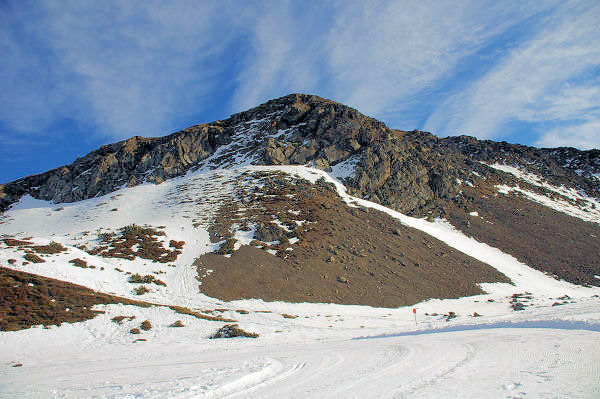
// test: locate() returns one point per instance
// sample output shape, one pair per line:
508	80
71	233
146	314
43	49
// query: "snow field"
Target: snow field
576	204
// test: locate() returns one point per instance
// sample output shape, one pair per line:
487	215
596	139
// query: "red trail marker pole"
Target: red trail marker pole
415	313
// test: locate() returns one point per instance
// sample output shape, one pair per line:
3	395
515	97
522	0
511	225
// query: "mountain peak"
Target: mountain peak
413	172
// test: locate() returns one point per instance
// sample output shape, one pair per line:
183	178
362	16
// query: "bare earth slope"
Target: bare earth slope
339	254
27	300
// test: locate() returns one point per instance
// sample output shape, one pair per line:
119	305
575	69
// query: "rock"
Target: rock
354	144
412	172
269	233
333	154
275	156
322	164
132	181
303	154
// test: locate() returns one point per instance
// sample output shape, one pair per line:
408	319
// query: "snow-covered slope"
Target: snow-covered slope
304	350
567	200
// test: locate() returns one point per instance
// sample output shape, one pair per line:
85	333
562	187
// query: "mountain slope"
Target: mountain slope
311	244
508	196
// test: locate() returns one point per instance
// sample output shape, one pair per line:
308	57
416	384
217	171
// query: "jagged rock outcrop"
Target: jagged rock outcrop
413	172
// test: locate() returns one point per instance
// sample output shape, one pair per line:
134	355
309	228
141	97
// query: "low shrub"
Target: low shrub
146	325
135	331
141	290
178	323
232	331
33	258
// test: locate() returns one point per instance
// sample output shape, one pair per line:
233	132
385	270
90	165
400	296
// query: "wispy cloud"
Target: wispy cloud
130	68
386	56
124	68
387	60
585	135
548	82
285	54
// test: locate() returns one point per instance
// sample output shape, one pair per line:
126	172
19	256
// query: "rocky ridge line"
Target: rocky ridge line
414	172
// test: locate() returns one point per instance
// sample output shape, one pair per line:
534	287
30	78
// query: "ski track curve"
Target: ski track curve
492	363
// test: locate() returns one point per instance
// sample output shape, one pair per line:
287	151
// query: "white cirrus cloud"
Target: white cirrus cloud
285	52
547	83
584	136
373	57
384	56
125	68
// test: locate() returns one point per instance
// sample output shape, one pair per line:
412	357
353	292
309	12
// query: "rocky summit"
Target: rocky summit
414	172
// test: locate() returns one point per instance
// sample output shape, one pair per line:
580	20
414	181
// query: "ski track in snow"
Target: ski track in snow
314	355
489	363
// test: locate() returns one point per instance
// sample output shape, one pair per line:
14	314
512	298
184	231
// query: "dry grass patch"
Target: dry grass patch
176	244
11	242
50	249
144	237
27	299
79	263
119	319
198	315
33	258
147	279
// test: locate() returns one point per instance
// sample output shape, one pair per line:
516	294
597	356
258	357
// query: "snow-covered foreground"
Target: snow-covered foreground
321	350
309	359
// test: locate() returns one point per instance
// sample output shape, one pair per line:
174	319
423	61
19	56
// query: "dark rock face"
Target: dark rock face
413	172
269	233
560	166
319	130
112	166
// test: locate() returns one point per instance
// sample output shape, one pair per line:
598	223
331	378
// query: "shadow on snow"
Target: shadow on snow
551	324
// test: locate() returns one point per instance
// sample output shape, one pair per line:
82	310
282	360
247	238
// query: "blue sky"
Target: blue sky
79	74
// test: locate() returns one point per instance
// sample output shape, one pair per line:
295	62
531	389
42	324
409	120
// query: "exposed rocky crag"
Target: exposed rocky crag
413	172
